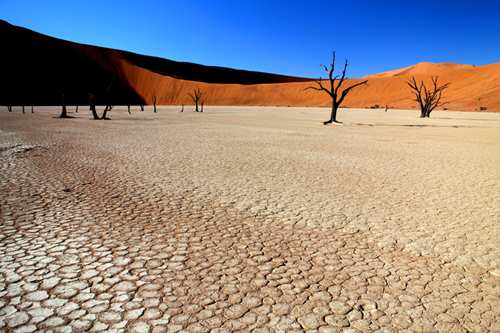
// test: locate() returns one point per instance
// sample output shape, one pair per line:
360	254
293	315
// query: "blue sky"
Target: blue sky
283	37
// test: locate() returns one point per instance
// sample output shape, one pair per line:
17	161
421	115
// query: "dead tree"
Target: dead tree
108	104
128	109
92	106
196	96
64	113
76	110
334	91
182	110
430	99
32	109
105	112
9	107
142	107
153	99
23	108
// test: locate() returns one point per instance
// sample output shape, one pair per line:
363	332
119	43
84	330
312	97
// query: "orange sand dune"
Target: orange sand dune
36	68
467	85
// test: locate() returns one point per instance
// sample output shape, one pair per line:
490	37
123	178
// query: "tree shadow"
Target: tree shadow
469	119
414	125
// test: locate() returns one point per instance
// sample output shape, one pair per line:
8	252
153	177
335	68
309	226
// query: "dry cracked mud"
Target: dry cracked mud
250	220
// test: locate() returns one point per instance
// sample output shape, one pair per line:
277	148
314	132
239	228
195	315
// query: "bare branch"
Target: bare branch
321	88
346	91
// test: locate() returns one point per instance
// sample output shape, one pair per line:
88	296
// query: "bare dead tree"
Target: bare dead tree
108	104
105	112
92	106
9	107
64	113
153	99
334	91
196	96
428	99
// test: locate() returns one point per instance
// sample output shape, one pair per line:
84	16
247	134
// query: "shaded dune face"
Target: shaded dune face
36	67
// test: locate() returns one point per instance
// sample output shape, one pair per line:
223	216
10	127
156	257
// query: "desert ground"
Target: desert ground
251	219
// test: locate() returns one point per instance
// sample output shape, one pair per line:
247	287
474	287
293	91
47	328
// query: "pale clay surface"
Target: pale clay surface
251	220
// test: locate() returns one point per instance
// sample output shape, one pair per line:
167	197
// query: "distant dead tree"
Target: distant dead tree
105	112
334	91
142	107
92	106
428	99
9	107
64	113
32	109
182	110
23	108
196	96
108	104
153	99
128	109
76	109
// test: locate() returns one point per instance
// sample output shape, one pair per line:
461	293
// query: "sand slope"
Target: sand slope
35	65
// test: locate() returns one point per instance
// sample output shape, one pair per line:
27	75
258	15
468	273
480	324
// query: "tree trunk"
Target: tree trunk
94	112
92	107
154	108
333	115
76	111
142	107
64	113
32	109
201	107
197	106
23	108
333	118
422	112
105	112
9	107
128	108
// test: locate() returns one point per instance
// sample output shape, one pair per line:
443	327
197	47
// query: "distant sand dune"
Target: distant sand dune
468	84
36	64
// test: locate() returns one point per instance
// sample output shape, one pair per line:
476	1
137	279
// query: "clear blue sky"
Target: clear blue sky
285	37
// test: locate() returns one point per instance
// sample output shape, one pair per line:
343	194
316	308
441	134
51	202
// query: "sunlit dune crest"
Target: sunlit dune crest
421	68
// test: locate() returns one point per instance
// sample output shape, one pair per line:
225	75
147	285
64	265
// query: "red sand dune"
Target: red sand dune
35	64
